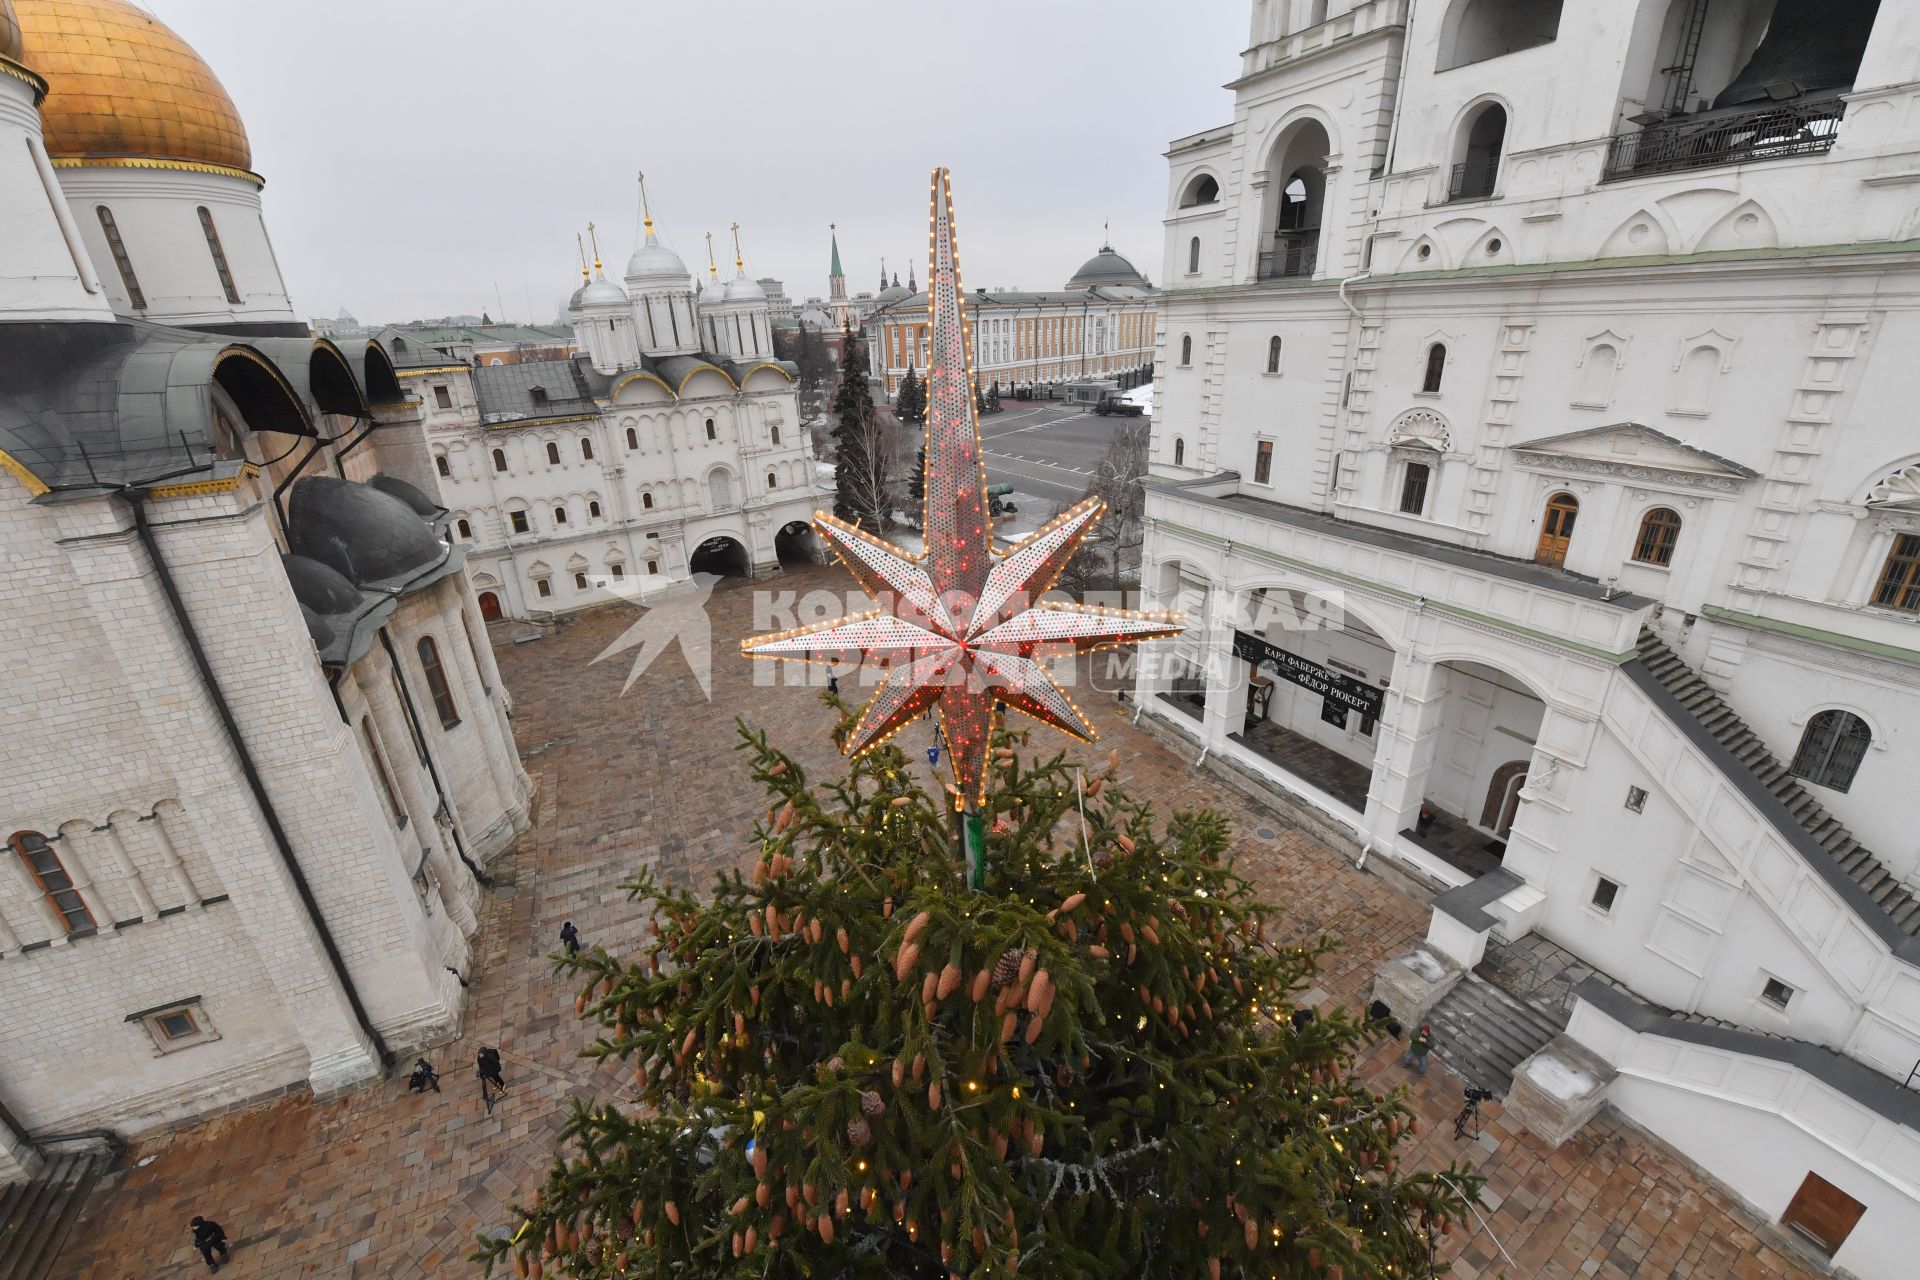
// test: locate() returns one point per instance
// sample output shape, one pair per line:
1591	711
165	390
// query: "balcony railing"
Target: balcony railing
1293	254
1706	140
1474	179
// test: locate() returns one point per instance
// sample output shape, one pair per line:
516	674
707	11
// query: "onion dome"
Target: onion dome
602	292
374	539
124	87
1106	268
743	288
340	618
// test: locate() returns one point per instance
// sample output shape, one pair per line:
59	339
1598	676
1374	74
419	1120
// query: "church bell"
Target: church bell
1812	47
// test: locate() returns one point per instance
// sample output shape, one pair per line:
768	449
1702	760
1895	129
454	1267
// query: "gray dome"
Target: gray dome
319	629
654	263
320	589
743	289
892	293
601	293
373	538
1106	268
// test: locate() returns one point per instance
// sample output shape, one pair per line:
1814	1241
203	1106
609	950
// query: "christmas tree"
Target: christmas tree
864	462
850	1065
910	407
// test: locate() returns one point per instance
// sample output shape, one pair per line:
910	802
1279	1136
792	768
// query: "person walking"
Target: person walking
424	1077
487	1064
570	938
209	1238
1418	1048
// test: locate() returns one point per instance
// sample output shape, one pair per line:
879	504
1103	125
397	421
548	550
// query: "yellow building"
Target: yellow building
1100	326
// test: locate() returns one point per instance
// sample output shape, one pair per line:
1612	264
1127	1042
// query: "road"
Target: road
1048	451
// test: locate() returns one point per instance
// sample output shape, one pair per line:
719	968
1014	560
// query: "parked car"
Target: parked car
1117	406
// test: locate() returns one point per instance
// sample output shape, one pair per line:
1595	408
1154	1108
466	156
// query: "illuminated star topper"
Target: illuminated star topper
959	625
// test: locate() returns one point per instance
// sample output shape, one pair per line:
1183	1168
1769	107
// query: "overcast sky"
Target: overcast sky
419	156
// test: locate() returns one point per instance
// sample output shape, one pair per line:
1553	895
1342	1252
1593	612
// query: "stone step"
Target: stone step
35	1224
1483	1033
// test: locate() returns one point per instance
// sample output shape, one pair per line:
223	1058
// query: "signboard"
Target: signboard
1330	685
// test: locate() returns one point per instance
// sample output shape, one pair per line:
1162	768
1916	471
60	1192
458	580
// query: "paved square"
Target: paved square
391	1184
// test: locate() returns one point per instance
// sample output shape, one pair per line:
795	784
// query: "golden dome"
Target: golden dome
123	86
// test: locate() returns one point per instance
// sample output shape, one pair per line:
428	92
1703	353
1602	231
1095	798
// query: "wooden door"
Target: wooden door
1503	797
489	607
1556	529
1823	1213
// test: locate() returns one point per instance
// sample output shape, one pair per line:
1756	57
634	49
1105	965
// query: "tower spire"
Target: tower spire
883	271
833	229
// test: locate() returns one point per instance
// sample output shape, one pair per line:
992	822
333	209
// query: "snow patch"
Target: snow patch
1423	964
1560	1079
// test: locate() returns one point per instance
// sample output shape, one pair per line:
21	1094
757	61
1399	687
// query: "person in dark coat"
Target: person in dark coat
1418	1048
570	938
487	1063
424	1077
209	1238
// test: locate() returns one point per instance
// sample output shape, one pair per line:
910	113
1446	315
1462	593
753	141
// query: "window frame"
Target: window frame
586	449
438	687
633	438
1649	546
1179	451
50	893
1764	995
1897	586
1186	351
553	453
1275	349
499	461
1433	377
518	522
1193	256
1611	888
1412	475
442	396
219	255
1263	461
543	588
1824	763
122	260
153	1021
463	528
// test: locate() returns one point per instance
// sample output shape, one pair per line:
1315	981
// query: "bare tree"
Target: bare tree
1117	482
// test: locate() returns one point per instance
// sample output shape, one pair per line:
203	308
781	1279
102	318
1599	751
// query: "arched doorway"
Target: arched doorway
1296	178
1556	529
795	544
1503	798
489	607
722	556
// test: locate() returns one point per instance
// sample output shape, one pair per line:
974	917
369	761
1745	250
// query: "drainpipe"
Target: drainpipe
433	771
137	499
14	1129
1348	302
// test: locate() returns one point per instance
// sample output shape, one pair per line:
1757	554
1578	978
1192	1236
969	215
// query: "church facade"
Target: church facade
261	756
669	445
1533	450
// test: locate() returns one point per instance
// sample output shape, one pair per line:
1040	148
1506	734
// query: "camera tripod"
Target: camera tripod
1467	1123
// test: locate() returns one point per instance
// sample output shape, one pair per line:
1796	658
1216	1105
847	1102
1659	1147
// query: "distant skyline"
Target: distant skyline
429	160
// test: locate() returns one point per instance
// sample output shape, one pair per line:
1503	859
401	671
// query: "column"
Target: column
457	886
117	851
176	865
1555	772
1226	675
1410	726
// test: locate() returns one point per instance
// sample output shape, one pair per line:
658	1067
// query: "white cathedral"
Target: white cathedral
259	756
668	445
1535	448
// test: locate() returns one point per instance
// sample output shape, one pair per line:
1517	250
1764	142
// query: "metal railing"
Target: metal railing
1473	179
1700	141
1294	253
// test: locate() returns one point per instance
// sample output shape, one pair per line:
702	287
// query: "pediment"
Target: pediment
1633	451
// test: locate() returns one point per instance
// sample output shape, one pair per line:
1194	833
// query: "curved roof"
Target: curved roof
341	618
374	539
123	86
743	288
1105	267
654	263
601	293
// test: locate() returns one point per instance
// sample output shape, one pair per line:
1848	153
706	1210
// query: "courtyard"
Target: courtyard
385	1183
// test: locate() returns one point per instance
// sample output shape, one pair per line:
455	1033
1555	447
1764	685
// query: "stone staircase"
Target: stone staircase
1699	700
36	1217
1483	1033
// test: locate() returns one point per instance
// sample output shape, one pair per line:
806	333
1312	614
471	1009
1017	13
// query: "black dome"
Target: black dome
400	489
320	590
319	628
373	538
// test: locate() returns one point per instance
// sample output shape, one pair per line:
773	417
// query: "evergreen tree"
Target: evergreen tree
847	1064
910	407
864	460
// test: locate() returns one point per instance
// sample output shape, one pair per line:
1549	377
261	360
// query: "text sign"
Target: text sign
1330	685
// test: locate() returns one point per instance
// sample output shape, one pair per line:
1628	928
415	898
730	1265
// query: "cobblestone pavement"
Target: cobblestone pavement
385	1183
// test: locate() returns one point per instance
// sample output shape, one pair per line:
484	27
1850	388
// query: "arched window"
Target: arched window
1831	749
559	514
719	489
1475	30
633	438
771	482
1698	374
1202	190
135	299
1899	584
1596	376
1179	452
1476	168
712	434
1436	367
593	511
219	256
653	567
774	434
1556	529
1659	530
465	529
1273	354
1186	348
646	501
437	683
499	460
586	448
1193	256
43	864
441	465
553	453
489	607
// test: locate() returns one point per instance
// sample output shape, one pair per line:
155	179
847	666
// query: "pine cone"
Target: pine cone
1006	968
836	1064
859	1132
1063	1075
871	1104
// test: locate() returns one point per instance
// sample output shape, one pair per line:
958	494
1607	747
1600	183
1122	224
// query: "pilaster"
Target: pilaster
1409	735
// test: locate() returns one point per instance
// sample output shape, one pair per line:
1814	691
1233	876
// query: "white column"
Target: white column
1410	726
190	894
117	851
1226	675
